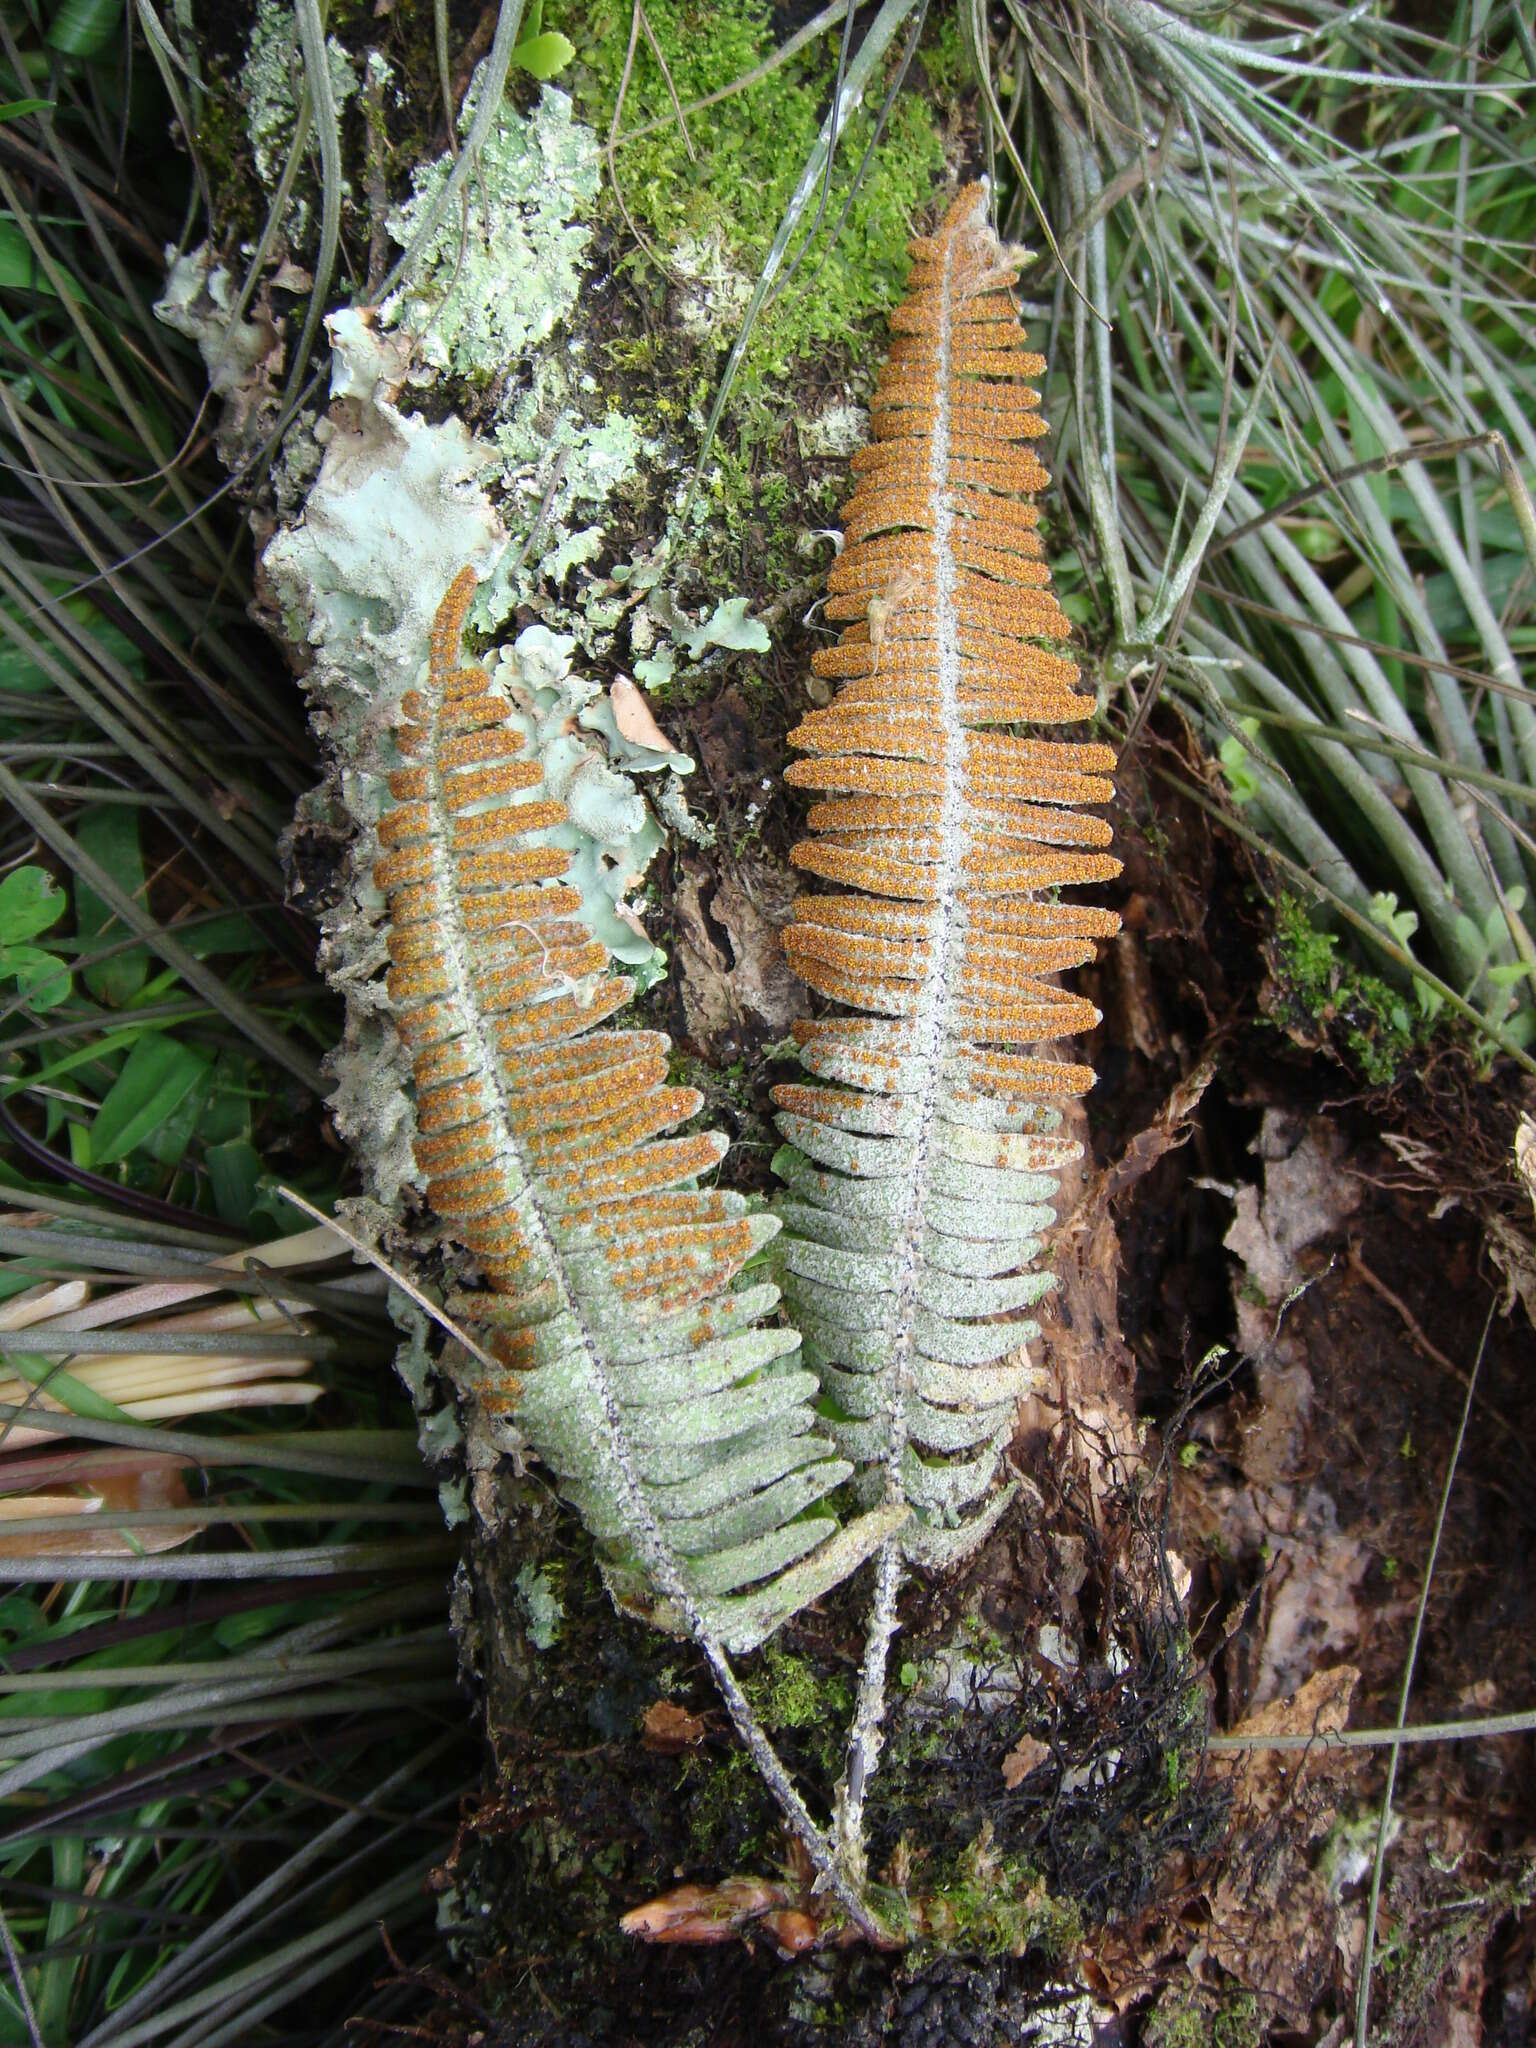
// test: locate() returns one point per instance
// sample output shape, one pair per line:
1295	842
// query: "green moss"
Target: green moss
729	1825
789	1693
1186	2020
713	220
1371	1018
995	1905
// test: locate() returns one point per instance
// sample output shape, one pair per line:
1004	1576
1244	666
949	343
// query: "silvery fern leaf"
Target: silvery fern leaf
633	1361
922	1159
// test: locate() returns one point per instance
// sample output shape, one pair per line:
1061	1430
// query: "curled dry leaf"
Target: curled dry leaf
707	1913
632	715
85	1487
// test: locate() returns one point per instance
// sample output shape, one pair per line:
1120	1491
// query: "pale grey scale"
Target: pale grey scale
946	1488
830	1062
856	1311
837	1266
747	1619
637	1343
753	1516
952	1430
862	1440
669	1465
962	1104
969	1385
866	1158
950	1342
859	1396
574	1448
706	1371
996	1189
875	1234
715	1418
954	1216
968	1296
826	1344
1011	1151
727	1571
978	1259
939	1549
839	1191
761	1459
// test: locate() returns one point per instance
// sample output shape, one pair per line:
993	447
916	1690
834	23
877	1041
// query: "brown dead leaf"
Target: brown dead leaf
632	715
85	1488
1308	1193
1274	1923
1027	1755
1319	1707
668	1729
700	1914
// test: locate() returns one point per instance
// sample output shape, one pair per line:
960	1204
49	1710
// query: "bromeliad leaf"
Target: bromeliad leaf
639	1369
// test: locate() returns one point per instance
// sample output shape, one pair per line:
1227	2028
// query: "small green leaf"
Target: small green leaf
544	56
157	1077
13	110
19	267
41	977
30	901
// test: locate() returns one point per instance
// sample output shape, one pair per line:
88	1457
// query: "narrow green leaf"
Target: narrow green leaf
19	269
110	834
73	1394
82	28
157	1077
234	1170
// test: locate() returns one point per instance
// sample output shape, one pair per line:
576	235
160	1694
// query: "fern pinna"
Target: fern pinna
634	1363
922	1157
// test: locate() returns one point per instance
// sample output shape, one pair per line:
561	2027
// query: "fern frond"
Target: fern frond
922	1158
636	1366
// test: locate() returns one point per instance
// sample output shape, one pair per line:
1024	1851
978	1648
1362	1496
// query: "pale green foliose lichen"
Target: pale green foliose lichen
494	285
610	835
198	300
269	81
541	1606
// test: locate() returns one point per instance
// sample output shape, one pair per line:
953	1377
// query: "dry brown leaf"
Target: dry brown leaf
122	1483
668	1728
706	1914
632	715
1027	1755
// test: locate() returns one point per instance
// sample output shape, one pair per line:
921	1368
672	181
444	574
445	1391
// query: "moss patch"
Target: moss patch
713	221
1317	986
